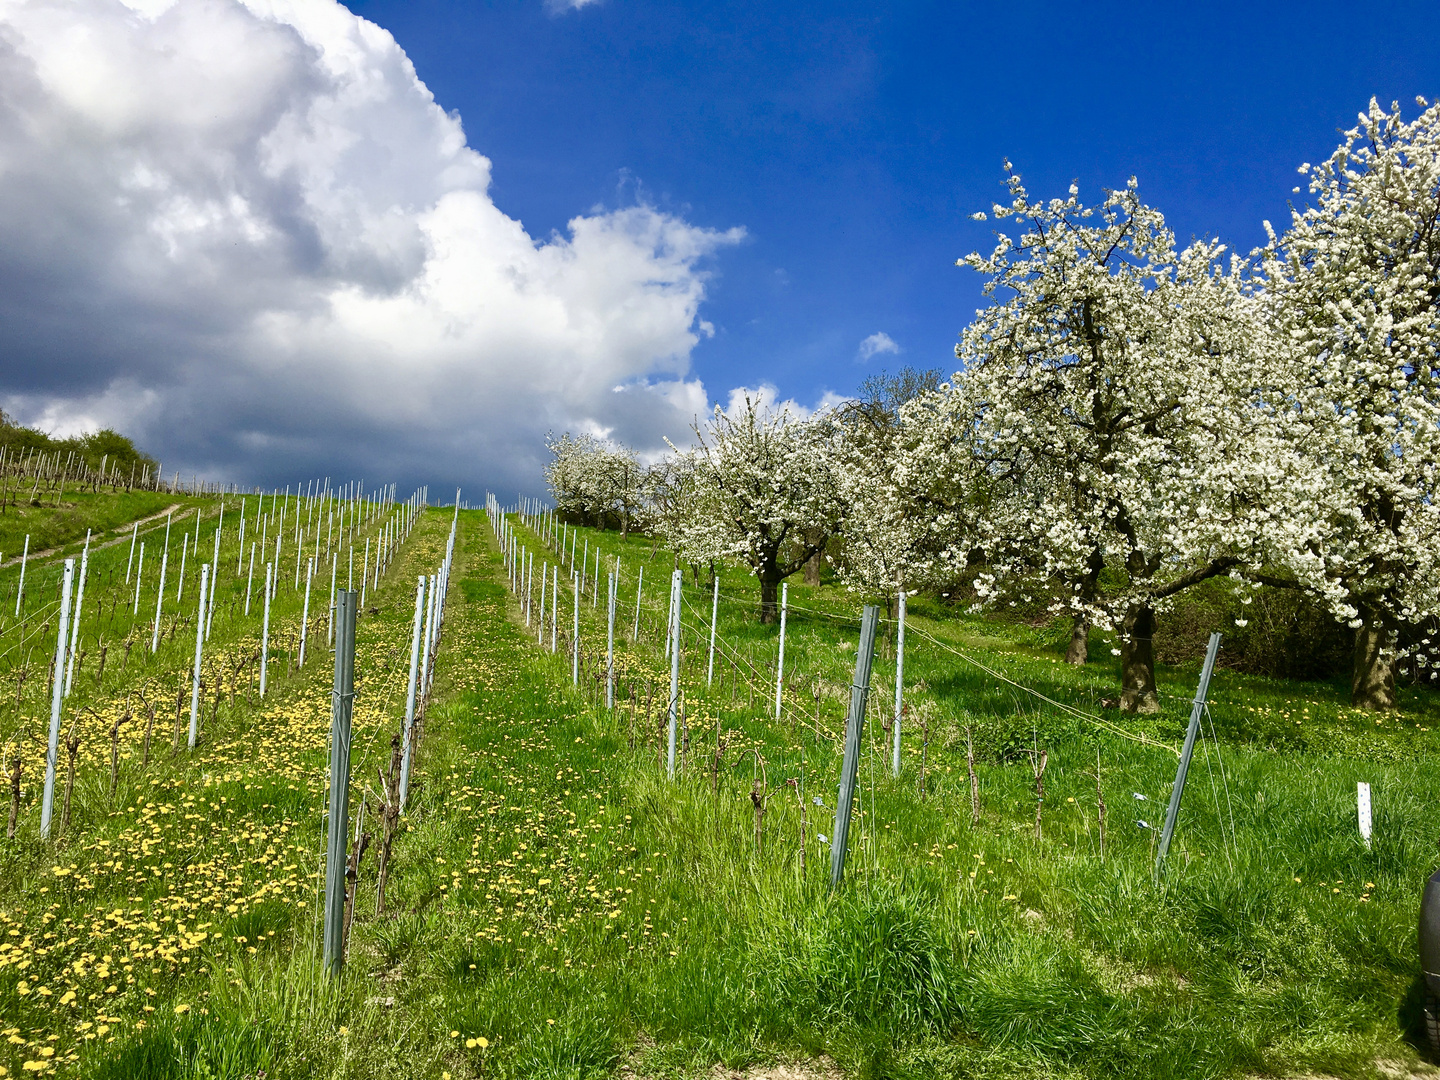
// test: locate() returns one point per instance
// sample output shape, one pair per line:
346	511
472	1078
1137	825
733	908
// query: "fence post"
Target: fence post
899	681
20	592
160	594
265	630
674	661
714	614
639	585
610	646
75	618
305	611
780	667
410	694
199	644
342	702
47	807
1197	708
854	727
575	640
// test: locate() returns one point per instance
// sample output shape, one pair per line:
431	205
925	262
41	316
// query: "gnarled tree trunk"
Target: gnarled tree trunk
1137	661
1372	684
769	594
812	570
1078	650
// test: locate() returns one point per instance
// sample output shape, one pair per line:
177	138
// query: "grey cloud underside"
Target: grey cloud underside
251	238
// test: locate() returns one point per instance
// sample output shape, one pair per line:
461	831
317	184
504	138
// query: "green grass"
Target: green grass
50	526
556	895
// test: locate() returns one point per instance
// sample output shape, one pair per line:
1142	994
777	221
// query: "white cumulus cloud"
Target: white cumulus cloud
876	344
247	233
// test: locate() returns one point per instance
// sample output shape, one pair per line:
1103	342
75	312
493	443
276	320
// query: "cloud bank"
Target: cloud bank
246	233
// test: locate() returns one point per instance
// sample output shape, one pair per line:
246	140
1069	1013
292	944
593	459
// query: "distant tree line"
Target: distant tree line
106	446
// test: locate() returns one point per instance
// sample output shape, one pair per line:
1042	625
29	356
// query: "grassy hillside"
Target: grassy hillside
559	907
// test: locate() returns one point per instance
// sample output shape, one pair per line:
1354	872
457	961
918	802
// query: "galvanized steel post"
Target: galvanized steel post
674	662
405	738
199	644
854	728
1196	710
899	681
47	806
342	705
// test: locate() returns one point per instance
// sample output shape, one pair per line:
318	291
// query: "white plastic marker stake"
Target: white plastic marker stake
24	558
139	567
305	615
410	694
75	620
714	613
199	644
250	580
47	807
265	629
134	535
780	667
639	585
1362	805
899	682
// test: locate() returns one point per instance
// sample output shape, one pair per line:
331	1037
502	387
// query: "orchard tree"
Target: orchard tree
596	481
900	521
1355	289
1108	414
761	487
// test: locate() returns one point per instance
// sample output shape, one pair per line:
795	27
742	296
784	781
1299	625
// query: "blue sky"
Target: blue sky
852	141
279	240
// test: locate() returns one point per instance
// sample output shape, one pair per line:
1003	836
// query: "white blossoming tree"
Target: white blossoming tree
1108	409
906	508
762	488
596	482
1355	289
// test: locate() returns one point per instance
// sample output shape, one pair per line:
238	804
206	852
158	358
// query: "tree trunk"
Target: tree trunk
769	596
1079	649
1137	661
1372	685
812	570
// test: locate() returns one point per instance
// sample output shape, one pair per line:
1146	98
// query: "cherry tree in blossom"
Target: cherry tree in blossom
1354	292
1107	420
763	488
